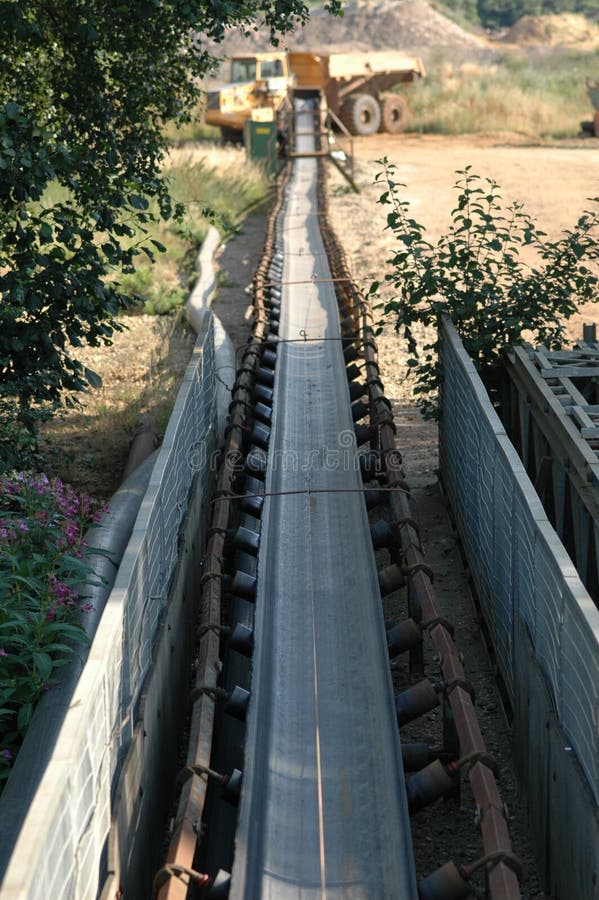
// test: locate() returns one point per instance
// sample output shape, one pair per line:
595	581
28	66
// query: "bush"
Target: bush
42	568
475	275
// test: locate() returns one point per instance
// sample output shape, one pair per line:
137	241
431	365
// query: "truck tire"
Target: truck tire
231	135
361	114
394	114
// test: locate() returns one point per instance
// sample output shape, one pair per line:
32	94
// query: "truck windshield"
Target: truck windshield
243	70
271	68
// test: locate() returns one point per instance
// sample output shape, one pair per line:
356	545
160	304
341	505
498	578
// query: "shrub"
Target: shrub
42	568
475	275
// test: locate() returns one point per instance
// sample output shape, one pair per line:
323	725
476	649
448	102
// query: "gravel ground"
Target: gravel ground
404	25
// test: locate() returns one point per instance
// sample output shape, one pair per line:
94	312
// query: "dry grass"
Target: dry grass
141	374
542	95
217	185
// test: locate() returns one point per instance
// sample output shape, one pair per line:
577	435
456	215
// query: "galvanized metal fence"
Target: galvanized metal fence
532	598
60	848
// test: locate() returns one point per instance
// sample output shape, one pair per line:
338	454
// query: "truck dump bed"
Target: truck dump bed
315	70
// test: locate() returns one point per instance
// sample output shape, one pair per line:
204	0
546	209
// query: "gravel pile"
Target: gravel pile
403	25
551	31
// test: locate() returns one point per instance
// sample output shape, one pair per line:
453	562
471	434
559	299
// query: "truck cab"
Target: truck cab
256	88
360	89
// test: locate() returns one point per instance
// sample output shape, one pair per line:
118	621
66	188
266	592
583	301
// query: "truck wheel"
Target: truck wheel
361	114
394	113
231	135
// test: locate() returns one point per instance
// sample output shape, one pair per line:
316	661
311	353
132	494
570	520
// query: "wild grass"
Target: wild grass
141	372
218	185
541	95
195	130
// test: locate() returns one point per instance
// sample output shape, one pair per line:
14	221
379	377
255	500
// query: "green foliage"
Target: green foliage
42	568
18	445
503	13
194	130
475	275
465	11
86	87
500	13
51	269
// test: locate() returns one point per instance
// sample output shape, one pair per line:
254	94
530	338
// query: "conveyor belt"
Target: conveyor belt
323	810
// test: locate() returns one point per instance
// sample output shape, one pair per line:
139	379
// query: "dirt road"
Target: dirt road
553	181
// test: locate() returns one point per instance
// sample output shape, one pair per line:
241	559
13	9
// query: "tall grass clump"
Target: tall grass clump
541	95
219	186
195	129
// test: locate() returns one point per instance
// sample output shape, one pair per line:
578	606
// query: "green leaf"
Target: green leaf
24	716
12	110
137	202
43	664
93	378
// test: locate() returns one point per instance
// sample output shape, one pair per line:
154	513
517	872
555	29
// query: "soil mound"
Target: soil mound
551	31
402	25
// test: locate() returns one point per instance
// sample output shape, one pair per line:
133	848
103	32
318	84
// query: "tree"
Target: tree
85	88
503	13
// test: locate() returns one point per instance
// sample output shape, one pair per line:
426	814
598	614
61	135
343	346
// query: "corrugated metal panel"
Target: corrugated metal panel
547	594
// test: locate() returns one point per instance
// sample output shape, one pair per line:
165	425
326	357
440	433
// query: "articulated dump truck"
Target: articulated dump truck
356	88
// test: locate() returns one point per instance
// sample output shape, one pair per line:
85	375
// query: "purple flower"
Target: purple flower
61	591
71	530
51	614
3	652
6	753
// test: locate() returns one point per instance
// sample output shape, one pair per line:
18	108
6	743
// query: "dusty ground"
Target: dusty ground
141	373
553	181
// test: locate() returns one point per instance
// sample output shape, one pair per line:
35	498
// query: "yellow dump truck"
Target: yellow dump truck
356	86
